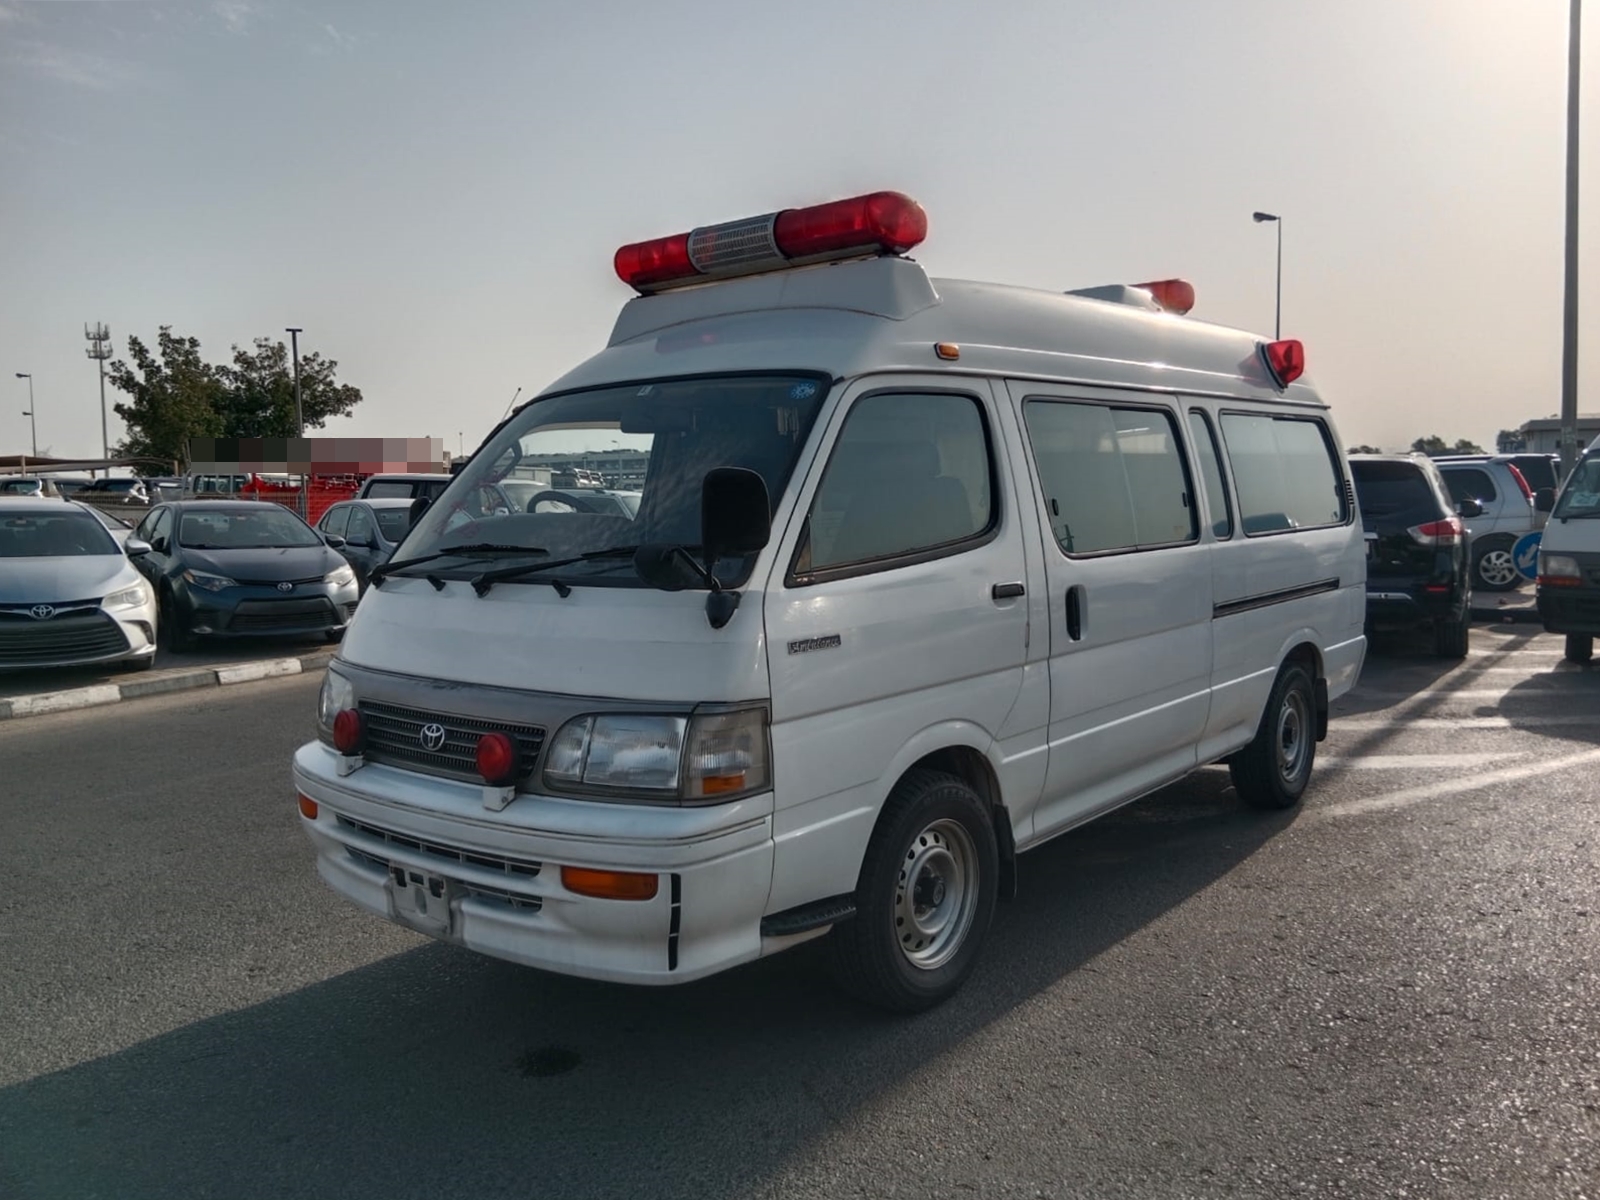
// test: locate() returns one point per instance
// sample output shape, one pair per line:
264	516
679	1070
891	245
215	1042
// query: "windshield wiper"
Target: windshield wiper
482	583
473	550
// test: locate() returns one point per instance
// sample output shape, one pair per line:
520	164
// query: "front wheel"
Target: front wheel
925	896
1274	769
1580	647
179	638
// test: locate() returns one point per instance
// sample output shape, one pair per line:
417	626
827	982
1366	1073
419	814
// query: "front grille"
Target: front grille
512	868
26	641
260	615
272	583
394	735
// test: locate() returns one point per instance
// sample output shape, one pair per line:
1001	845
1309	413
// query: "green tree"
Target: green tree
258	398
1434	445
172	397
1363	450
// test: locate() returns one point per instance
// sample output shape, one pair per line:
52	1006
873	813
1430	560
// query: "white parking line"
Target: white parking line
1479	695
1340	724
1419	762
1452	787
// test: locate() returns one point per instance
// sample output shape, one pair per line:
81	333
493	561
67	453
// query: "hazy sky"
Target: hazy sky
434	191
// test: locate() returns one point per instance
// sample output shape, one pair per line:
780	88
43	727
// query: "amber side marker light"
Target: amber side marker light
948	351
610	885
308	808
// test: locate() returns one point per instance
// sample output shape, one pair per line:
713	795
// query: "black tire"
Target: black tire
174	631
1580	647
1274	769
1450	638
938	830
1493	555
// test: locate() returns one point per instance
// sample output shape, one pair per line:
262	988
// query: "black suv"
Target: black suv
1417	564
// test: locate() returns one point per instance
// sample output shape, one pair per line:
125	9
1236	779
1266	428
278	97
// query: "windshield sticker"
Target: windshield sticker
1584	500
803	391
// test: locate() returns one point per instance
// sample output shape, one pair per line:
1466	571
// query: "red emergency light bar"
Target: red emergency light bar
879	223
1286	360
1174	295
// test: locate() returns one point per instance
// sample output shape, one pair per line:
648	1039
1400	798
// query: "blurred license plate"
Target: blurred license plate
420	900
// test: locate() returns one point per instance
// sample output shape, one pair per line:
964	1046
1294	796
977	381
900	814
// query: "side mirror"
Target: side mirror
1544	500
1470	508
419	506
136	547
735	513
335	542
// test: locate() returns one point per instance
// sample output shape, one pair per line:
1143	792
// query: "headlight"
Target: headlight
342	577
1558	566
211	583
133	597
707	757
336	696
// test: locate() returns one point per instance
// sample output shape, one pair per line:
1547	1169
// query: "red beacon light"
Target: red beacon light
1173	295
1286	359
879	223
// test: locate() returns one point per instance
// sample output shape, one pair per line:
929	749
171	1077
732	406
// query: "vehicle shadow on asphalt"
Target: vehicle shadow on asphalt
444	1073
1405	664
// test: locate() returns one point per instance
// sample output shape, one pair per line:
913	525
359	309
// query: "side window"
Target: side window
334	521
1210	456
360	526
1114	478
1285	471
162	529
909	474
145	530
1470	482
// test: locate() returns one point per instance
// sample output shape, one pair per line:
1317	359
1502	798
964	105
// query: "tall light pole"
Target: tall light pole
1569	325
1277	313
99	338
299	419
32	423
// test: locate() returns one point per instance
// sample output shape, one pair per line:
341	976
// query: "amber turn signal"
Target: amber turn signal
610	885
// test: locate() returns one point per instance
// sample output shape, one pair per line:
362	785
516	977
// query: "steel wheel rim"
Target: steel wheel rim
936	895
1496	567
1294	746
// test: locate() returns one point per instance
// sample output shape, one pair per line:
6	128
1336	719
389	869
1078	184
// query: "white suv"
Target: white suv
1508	513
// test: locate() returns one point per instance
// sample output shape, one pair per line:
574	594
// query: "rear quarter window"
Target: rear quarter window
1285	471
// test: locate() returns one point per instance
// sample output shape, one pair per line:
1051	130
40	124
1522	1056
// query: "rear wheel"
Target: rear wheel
925	897
1493	568
1273	770
1450	638
1580	647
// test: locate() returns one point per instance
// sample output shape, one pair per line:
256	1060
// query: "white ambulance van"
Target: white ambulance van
1569	560
923	574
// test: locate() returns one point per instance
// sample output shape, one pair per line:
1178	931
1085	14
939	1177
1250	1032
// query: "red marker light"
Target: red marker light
348	732
878	223
497	758
1174	295
1286	360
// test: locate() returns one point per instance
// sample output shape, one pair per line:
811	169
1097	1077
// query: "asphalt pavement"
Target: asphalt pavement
1393	992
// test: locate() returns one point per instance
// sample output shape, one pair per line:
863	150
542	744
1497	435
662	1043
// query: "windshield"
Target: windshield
265	528
67	535
1581	496
21	487
649	445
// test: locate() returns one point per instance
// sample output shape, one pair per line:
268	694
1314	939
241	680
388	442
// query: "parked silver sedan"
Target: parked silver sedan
68	593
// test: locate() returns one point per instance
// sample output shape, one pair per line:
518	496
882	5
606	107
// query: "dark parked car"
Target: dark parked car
1417	562
404	487
243	568
371	530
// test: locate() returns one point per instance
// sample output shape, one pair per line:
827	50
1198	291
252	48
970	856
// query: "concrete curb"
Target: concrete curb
161	685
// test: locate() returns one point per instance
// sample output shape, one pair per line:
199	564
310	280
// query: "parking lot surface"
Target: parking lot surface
1393	992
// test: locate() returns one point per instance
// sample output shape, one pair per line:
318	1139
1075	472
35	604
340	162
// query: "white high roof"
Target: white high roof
886	314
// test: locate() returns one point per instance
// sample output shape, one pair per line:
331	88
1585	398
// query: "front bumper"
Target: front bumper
79	637
494	879
260	611
1570	609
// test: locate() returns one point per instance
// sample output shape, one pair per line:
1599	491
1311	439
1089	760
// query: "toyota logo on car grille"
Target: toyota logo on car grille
286	587
42	612
432	736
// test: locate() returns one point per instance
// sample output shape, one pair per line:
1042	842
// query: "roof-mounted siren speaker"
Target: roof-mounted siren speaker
1160	295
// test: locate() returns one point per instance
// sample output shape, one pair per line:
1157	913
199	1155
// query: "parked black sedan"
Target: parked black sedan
1417	562
371	530
243	568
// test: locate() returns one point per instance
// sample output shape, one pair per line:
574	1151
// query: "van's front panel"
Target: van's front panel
897	617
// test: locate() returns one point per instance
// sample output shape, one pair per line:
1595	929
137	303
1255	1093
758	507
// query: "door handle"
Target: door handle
1007	591
1075	606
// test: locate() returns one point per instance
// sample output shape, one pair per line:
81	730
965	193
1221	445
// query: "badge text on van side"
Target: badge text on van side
830	641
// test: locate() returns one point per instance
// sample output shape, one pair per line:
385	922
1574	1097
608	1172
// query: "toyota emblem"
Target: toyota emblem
432	736
42	612
286	587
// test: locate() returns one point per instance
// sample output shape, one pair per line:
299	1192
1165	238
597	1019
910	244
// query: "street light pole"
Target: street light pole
99	339
1277	313
33	423
1569	327
299	419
